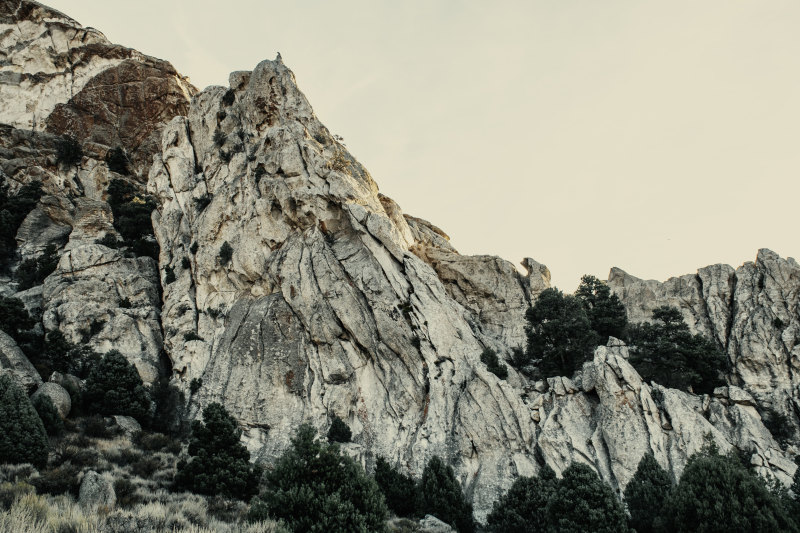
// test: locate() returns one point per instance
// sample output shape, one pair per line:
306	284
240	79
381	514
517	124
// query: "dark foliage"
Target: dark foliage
493	364
68	358
13	210
339	431
192	336
582	502
59	480
68	152
521	509
169	275
195	385
126	493
399	490
778	424
110	241
114	387
95	426
645	495
225	253
229	97
48	414
132	212
22	435
201	202
14	318
117	161
441	496
194	247
559	334
668	353
169	402
32	272
314	488
220	138
605	311
185	263
219	463
718	494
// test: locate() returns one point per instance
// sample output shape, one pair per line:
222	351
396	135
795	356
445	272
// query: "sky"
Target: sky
658	137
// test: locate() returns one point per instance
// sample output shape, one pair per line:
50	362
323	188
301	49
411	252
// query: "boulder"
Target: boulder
96	490
14	362
431	524
58	395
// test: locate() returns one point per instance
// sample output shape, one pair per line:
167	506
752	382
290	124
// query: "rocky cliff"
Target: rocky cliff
296	291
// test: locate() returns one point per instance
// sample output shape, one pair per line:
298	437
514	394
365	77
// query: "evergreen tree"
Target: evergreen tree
114	387
22	434
399	490
314	488
493	364
582	502
605	312
559	334
339	431
441	496
645	495
219	462
668	353
521	509
14	318
718	494
48	414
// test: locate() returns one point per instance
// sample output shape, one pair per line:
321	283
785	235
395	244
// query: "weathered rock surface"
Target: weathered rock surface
96	490
14	363
431	524
58	395
752	312
306	293
127	425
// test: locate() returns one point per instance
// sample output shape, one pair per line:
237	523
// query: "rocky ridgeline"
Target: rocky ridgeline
296	291
59	79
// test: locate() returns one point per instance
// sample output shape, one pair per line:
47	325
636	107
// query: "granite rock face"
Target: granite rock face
301	293
14	363
752	313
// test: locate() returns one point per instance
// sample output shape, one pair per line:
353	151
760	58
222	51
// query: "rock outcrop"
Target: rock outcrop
301	293
14	363
752	312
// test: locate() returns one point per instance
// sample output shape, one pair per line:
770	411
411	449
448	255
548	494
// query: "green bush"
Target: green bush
314	488
718	494
778	425
32	272
583	502
521	509
132	211
117	161
399	490
48	414
225	253
605	312
68	151
195	385
219	463
645	495
668	353
114	387
13	210
493	364
559	334
339	431
441	496
169	275
22	435
14	318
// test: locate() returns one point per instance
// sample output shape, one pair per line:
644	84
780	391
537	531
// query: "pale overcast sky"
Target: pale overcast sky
654	136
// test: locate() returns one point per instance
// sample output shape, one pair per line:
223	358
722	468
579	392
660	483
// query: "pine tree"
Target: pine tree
400	491
314	488
559	334
219	463
583	502
645	494
606	313
22	434
521	509
339	431
441	496
114	387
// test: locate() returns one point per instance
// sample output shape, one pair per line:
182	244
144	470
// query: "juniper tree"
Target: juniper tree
22	435
645	495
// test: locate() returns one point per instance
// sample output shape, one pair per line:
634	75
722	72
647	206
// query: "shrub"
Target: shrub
126	493
521	509
339	431
58	480
169	402
440	495
33	272
220	138
718	494
225	253
219	463
493	364
645	494
114	387
117	161
13	210
399	490
146	467
68	151
14	318
195	385
66	357
201	202
559	334
605	312
666	352
582	502
132	221
316	489
169	275
22	435
229	97
10	492
185	263
48	413
193	248
109	241
778	425
95	426
191	336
